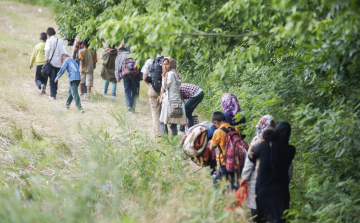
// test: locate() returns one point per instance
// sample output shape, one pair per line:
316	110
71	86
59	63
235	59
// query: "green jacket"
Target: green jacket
108	69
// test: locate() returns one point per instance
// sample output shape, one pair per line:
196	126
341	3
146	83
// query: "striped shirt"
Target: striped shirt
188	90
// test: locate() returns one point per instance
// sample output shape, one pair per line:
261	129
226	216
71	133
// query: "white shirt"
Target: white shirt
146	68
60	49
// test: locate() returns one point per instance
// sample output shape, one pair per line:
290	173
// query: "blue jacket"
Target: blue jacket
72	69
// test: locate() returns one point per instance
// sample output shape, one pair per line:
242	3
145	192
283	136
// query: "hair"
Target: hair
218	116
43	36
111	46
269	134
86	43
50	31
64	56
122	49
173	64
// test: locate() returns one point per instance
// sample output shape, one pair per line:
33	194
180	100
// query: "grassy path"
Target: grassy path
21	104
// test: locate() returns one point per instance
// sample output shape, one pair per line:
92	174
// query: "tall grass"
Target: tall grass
122	178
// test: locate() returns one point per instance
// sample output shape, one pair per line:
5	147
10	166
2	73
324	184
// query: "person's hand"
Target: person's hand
30	67
82	71
55	80
159	98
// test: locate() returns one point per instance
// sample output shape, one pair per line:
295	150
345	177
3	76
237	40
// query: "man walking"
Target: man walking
54	47
154	68
125	68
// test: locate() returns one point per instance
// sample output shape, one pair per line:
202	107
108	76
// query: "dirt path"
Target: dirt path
21	106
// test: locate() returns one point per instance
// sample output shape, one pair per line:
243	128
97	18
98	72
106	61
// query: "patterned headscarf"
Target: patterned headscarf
265	122
230	105
172	64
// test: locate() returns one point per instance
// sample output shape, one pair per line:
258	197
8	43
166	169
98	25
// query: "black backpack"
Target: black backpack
155	73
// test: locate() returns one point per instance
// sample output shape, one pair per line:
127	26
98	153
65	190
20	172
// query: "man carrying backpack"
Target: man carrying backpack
154	67
125	68
232	150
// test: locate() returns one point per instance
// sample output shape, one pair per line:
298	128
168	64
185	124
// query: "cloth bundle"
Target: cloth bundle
196	144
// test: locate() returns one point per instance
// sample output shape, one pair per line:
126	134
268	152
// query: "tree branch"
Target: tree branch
221	35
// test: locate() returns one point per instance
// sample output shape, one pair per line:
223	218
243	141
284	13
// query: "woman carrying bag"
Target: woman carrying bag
173	109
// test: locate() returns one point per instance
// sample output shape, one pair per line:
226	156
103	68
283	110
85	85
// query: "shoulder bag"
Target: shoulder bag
175	106
46	69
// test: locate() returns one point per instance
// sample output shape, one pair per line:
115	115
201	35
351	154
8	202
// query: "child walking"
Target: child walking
88	62
38	55
72	69
218	140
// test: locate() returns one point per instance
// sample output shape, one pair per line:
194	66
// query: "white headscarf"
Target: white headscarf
265	122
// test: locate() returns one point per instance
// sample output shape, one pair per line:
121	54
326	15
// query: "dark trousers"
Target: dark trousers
164	129
39	80
74	94
223	174
53	85
190	106
131	86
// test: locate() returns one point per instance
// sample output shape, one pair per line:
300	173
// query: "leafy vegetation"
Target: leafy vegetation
296	60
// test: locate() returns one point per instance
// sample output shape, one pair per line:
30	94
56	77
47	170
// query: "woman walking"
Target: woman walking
272	182
248	172
171	82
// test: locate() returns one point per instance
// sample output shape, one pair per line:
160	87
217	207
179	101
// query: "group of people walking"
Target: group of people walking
117	65
265	166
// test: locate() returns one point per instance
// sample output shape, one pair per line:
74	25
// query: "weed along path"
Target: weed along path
60	165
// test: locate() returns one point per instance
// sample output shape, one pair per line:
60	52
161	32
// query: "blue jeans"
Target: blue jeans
164	129
222	173
190	106
53	85
131	90
74	94
106	85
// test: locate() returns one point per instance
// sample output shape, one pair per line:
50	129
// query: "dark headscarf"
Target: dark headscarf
283	131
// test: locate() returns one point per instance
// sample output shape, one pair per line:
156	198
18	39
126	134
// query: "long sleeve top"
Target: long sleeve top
38	54
72	69
60	49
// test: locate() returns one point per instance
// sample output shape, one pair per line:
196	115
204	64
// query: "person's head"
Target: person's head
230	105
218	119
111	46
166	64
43	37
50	31
268	134
283	130
64	57
86	43
121	50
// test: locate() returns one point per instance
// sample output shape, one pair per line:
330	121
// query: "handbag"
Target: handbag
175	107
46	69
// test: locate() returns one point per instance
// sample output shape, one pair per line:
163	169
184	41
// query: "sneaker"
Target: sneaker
52	98
43	88
113	95
104	93
81	110
181	133
129	111
66	106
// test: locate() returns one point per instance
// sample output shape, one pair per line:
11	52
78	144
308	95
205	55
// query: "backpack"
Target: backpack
155	72
129	68
235	150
